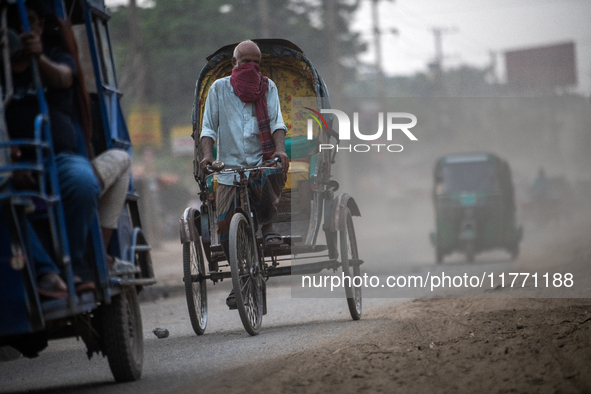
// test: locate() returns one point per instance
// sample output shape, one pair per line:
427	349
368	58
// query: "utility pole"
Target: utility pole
137	54
438	47
437	64
152	207
493	68
377	36
437	34
333	46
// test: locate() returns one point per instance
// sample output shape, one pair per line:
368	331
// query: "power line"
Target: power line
411	15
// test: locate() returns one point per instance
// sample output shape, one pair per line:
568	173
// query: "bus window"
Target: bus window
106	63
85	58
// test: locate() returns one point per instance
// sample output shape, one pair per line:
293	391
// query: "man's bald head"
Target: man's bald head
246	52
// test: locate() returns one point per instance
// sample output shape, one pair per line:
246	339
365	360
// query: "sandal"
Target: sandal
271	237
83	287
52	286
121	267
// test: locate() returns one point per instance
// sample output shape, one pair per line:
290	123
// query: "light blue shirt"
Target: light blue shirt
233	124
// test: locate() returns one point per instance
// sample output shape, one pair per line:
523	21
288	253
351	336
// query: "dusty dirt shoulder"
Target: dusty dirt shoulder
440	346
468	345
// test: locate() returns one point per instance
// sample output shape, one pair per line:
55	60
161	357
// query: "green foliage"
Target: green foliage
179	34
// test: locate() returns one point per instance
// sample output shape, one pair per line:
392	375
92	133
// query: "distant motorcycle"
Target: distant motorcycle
551	200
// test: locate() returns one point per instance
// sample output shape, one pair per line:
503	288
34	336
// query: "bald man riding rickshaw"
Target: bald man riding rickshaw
265	187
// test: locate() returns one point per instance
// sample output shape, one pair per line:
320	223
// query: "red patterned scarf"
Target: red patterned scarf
250	86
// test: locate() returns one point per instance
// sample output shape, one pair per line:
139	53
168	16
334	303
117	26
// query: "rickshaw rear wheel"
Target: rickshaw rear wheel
123	339
195	291
350	264
247	278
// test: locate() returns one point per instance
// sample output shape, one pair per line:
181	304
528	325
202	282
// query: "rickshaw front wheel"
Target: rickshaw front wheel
123	340
350	264
195	290
247	279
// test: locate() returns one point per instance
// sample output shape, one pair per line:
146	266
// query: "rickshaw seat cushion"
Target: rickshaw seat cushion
300	147
212	183
298	171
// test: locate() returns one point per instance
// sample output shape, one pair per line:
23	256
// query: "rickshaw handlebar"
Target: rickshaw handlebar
218	167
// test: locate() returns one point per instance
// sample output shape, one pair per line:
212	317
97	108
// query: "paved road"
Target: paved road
291	325
183	359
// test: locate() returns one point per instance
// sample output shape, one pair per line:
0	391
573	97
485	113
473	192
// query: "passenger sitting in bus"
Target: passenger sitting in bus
79	186
113	169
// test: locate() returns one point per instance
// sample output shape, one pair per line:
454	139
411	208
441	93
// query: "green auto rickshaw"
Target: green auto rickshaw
474	206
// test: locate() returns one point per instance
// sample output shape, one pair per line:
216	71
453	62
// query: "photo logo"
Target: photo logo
310	131
344	130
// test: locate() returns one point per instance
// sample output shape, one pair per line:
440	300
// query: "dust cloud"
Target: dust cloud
394	190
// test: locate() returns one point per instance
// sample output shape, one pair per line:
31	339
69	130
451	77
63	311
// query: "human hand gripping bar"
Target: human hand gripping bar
219	167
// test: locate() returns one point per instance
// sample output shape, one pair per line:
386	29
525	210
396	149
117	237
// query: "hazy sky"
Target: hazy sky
476	27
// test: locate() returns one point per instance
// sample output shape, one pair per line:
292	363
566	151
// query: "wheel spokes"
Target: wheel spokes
245	273
198	287
249	288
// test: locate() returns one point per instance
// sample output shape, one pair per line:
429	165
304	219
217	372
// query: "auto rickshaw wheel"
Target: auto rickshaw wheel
195	289
123	341
247	279
350	263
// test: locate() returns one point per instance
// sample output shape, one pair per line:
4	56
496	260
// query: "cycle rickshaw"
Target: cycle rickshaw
308	203
107	319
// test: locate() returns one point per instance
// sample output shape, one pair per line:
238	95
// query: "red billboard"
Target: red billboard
545	66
